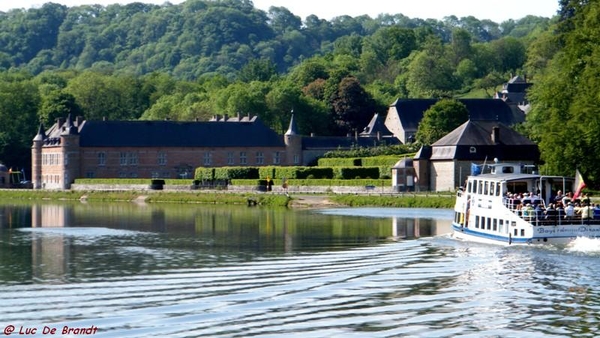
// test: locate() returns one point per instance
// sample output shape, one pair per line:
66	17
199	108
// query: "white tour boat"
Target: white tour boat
509	204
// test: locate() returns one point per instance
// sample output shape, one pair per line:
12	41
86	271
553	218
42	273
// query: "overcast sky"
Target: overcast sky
496	11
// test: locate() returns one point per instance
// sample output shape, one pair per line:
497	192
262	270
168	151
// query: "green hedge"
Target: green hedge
319	182
381	161
340	162
355	172
130	181
224	173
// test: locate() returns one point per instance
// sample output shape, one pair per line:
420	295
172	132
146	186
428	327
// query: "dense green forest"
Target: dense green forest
206	57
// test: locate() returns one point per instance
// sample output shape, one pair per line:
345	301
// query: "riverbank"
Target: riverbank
291	200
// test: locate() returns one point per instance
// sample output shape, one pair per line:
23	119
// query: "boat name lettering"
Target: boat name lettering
562	230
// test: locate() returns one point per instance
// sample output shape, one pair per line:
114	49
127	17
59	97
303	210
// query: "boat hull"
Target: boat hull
543	235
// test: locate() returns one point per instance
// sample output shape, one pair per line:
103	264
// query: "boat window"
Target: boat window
495	225
470	186
492	189
477	222
480	188
515	232
485	188
508	170
523	232
498	189
501	225
489	223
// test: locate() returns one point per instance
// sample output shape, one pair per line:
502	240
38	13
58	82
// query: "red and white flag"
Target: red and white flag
579	184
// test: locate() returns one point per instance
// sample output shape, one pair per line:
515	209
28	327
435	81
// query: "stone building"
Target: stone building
404	115
78	148
445	165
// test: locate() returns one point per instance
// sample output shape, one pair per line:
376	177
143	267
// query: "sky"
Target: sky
497	11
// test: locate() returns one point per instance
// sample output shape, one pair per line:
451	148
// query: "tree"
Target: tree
443	117
564	116
19	102
430	73
352	107
257	70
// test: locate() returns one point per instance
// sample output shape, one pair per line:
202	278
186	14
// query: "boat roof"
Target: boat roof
515	177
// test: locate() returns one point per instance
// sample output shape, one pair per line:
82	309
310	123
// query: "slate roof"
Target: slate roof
410	111
175	134
477	135
376	125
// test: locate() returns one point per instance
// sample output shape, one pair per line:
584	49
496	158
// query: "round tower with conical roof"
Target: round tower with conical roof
69	141
36	158
293	144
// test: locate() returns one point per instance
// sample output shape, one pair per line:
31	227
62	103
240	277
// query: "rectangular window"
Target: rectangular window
123	159
66	159
495	225
260	157
90	174
230	160
132	158
296	159
162	158
101	159
489	223
207	158
243	158
276	158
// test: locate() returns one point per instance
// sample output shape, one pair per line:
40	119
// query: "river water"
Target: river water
136	270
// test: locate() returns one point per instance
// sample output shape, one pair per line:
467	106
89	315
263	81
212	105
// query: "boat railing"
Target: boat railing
541	216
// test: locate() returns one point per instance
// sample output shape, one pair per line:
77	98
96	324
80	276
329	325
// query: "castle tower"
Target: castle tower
36	158
69	143
293	144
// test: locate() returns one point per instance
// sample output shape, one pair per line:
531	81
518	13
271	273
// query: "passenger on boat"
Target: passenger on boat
567	199
550	212
559	196
569	211
528	211
585	211
596	211
560	211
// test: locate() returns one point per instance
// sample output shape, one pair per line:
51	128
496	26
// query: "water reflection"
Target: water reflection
59	241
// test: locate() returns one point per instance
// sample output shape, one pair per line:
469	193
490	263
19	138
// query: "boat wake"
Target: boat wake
584	245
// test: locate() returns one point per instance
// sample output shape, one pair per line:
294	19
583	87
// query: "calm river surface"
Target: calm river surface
130	270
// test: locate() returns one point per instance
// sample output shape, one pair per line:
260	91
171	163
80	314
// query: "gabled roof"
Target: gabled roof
374	127
410	111
477	133
177	134
476	140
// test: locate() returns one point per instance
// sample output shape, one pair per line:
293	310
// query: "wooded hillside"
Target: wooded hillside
202	58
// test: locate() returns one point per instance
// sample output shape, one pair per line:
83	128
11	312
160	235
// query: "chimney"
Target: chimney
496	135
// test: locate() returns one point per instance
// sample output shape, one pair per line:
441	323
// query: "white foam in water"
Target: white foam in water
585	244
81	231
